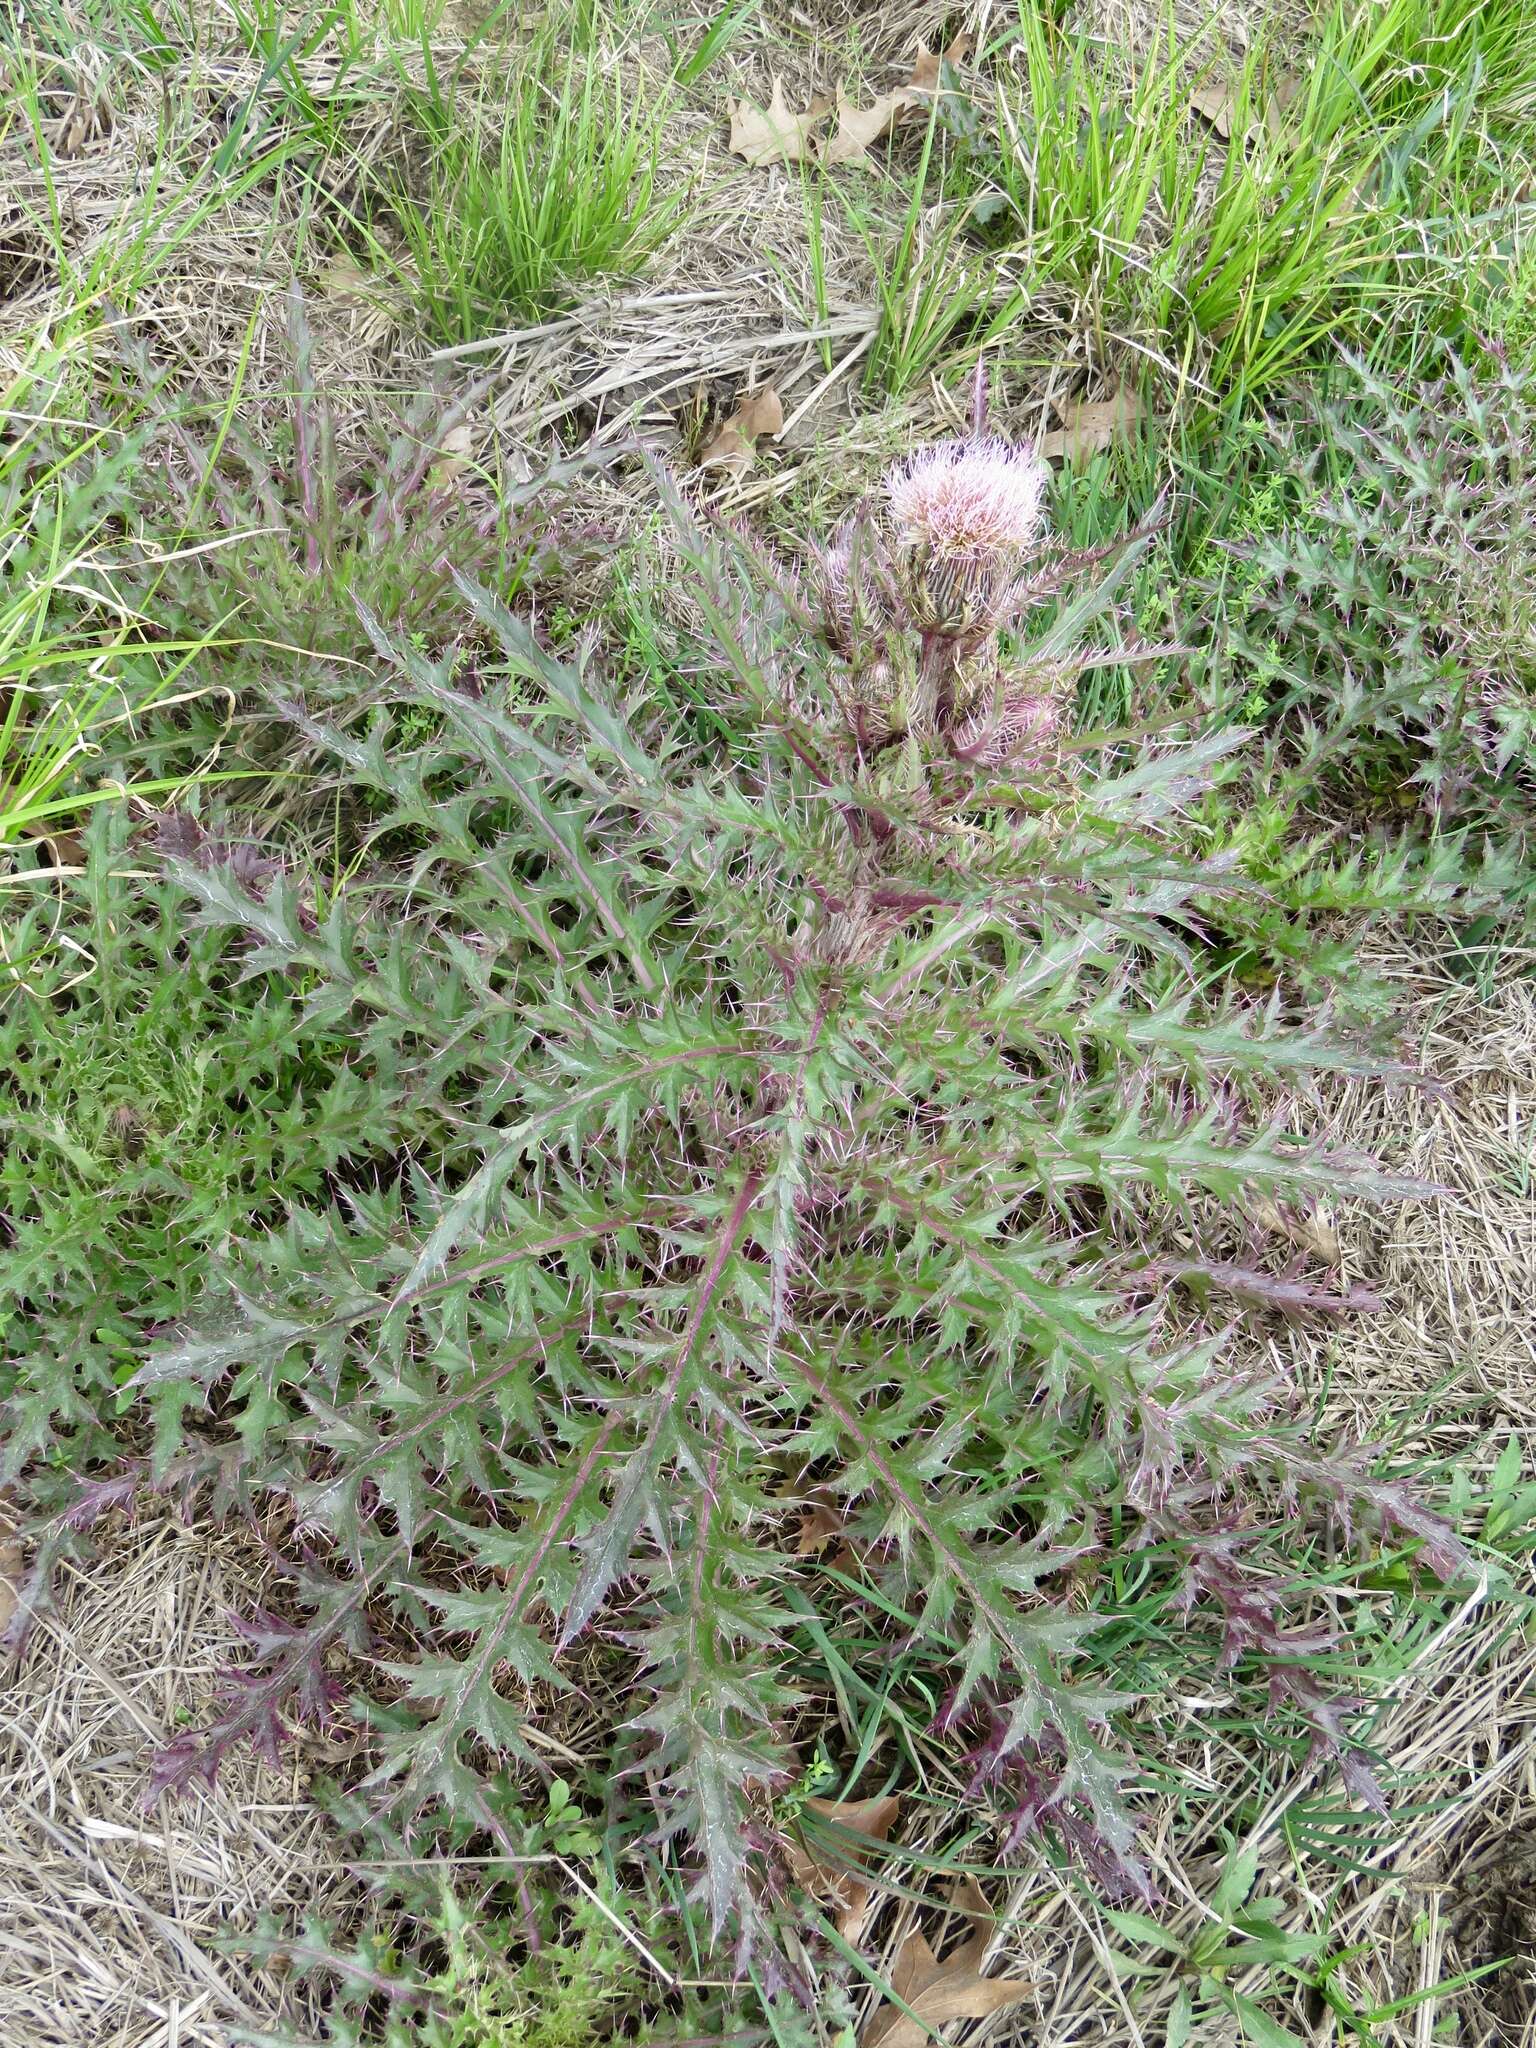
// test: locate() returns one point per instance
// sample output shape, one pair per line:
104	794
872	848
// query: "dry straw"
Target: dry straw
113	1919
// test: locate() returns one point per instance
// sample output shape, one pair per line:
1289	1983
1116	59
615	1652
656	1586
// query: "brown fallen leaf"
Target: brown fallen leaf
729	450
1214	103
11	1564
1088	426
346	282
776	135
779	135
915	1965
758	417
820	1533
849	1894
858	127
373	304
84	121
1312	1231
65	847
928	64
452	458
1316	1233
819	1526
936	1992
1267	1216
967	1897
1280	101
960	1995
761	413
873	1817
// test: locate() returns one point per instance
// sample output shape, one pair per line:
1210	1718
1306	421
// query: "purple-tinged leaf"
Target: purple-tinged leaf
1042	1797
606	1551
1286	1292
289	1686
1361	1783
98	1497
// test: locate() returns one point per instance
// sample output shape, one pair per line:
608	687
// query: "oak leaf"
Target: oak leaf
779	135
452	458
937	1992
1090	425
1281	100
858	127
929	64
83	122
1316	1233
373	303
346	282
821	1533
1311	1230
1214	103
849	1894
819	1526
757	416
776	135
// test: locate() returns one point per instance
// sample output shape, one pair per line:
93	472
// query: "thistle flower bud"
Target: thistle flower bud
853	581
885	695
976	682
834	573
1021	730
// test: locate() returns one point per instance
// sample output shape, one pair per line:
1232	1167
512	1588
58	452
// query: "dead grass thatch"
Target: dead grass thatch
116	1918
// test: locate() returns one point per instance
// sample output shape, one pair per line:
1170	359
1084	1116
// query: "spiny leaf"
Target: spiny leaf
607	1549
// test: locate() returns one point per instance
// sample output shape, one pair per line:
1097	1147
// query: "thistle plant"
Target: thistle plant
759	1128
322	530
918	595
1385	625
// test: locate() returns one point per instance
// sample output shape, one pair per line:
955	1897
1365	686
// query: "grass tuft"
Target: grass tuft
526	201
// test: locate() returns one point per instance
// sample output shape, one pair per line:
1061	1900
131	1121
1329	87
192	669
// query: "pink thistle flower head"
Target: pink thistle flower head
968	502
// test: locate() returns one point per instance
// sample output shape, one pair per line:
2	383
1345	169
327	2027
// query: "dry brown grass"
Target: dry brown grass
732	299
1460	1275
115	1919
